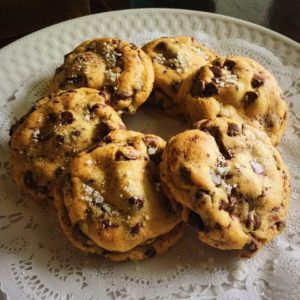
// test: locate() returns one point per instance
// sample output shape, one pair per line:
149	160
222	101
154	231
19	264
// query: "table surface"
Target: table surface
21	17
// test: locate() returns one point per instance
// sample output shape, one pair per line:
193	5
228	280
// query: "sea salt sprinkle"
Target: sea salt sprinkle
36	135
160	59
112	76
201	53
91	195
227	80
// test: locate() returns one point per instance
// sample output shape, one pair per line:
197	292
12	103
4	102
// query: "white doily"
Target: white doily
37	262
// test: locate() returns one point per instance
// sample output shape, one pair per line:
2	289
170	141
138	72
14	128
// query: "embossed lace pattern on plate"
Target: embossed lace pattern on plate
37	262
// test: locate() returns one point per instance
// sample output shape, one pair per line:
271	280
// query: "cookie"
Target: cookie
231	182
57	127
149	249
237	88
120	70
175	58
111	193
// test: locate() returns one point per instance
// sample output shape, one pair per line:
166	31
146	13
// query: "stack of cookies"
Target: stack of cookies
126	195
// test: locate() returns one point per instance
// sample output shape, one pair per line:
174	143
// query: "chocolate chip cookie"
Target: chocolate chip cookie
237	88
229	182
57	127
174	58
120	70
111	194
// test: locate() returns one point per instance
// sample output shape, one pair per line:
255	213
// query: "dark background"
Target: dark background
20	17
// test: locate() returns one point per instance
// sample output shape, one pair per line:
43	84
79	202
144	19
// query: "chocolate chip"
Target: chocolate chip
233	129
137	202
136	228
185	175
217	62
216	71
216	179
76	133
196	221
66	117
60	139
58	171
250	248
229	64
175	85
250	98
257	168
197	87
128	155
280	226
224	205
276	209
29	180
102	130
94	108
150	251
216	133
123	96
256	222
210	90
52	117
161	47
257	81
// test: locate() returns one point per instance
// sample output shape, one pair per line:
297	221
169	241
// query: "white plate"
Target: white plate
37	261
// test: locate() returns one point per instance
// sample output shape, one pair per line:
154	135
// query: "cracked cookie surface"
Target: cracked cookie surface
237	88
174	58
59	126
121	71
230	182
112	194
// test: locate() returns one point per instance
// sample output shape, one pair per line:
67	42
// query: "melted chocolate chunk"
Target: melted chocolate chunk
161	47
229	64
250	98
233	129
256	222
29	180
216	133
258	168
76	133
198	87
60	139
216	71
52	117
94	108
58	172
102	130
175	85
66	117
280	225
217	62
136	228
124	156
210	90
150	251
196	221
185	175
257	81
137	202
224	206
123	96
251	248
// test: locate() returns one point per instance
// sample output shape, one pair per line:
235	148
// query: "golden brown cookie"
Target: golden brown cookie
237	88
120	70
150	248
57	128
232	184
174	58
111	193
